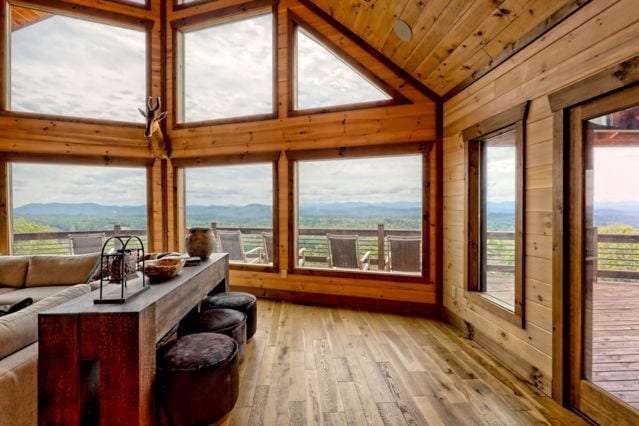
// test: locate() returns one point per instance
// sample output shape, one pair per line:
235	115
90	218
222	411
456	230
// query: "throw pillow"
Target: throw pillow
13	270
60	270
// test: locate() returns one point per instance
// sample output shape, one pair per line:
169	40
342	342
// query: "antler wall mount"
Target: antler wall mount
158	143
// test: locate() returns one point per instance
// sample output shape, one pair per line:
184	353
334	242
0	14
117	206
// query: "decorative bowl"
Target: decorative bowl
163	269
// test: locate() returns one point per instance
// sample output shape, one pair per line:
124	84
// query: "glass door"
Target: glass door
604	252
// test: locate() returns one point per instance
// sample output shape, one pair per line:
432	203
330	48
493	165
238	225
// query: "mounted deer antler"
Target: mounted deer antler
159	144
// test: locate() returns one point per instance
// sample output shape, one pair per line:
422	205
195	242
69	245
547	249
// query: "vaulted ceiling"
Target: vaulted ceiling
453	42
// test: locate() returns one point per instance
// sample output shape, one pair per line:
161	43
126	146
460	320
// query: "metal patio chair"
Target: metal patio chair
343	252
86	243
231	243
404	253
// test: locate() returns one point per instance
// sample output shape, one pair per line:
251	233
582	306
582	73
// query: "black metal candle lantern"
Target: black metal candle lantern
119	267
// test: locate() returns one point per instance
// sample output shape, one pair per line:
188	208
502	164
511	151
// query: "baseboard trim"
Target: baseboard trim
380	305
517	365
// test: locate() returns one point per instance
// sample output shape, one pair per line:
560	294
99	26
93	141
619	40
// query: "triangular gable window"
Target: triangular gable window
325	80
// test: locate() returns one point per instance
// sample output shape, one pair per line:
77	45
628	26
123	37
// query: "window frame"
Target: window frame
425	149
87	14
229	160
6	185
474	137
208	20
295	22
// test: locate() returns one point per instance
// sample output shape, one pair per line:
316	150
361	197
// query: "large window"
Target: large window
495	215
361	214
237	201
228	70
52	204
74	67
323	79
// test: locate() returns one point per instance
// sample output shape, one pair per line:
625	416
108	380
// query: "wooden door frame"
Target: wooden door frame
568	233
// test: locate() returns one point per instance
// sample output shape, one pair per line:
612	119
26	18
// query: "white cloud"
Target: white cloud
372	180
225	185
48	183
73	67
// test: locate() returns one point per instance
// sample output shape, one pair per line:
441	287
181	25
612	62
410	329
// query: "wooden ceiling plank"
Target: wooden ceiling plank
378	30
447	20
467	52
485	88
411	13
22	17
367	10
539	9
444	82
421	27
452	40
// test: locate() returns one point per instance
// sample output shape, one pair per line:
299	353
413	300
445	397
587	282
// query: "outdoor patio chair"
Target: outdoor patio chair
231	243
267	240
404	253
343	252
86	243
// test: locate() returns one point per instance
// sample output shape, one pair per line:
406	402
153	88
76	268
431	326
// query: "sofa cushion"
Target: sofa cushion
36	293
21	328
60	270
13	270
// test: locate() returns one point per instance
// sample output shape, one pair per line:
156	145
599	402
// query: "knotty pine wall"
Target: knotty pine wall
414	121
600	35
33	137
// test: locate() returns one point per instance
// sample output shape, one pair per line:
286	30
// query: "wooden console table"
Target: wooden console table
96	363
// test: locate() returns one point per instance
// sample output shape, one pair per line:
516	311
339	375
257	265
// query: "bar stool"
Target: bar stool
198	379
243	302
229	322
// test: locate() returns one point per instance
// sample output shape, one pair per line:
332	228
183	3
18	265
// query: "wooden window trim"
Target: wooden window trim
426	149
294	21
210	19
82	12
511	119
240	159
578	392
616	77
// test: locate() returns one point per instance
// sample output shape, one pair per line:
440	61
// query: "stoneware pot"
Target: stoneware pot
200	242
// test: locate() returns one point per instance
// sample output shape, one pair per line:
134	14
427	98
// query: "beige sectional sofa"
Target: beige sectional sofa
49	281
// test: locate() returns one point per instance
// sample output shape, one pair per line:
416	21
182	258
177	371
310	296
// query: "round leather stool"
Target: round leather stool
198	379
243	302
224	321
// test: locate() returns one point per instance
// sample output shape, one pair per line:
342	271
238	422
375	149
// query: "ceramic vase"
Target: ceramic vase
200	242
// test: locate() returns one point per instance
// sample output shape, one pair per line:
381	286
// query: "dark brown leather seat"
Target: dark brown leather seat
229	322
198	379
243	302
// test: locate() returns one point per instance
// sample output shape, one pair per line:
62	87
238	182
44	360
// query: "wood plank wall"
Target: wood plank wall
410	122
601	34
30	137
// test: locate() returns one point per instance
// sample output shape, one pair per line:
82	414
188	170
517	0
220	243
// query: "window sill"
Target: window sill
496	307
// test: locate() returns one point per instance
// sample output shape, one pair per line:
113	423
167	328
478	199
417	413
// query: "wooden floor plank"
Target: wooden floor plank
311	365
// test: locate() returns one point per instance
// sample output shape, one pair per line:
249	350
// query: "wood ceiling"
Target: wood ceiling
454	41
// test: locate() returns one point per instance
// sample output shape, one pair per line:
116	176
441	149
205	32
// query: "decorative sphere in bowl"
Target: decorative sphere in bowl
164	268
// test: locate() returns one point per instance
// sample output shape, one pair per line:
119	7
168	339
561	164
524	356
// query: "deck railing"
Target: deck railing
616	256
59	243
313	240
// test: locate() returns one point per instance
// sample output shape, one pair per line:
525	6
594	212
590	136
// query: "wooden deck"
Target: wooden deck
310	365
615	348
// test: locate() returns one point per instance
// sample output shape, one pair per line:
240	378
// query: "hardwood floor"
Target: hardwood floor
335	366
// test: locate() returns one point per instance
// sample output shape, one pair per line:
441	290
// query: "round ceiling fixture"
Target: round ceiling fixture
402	30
